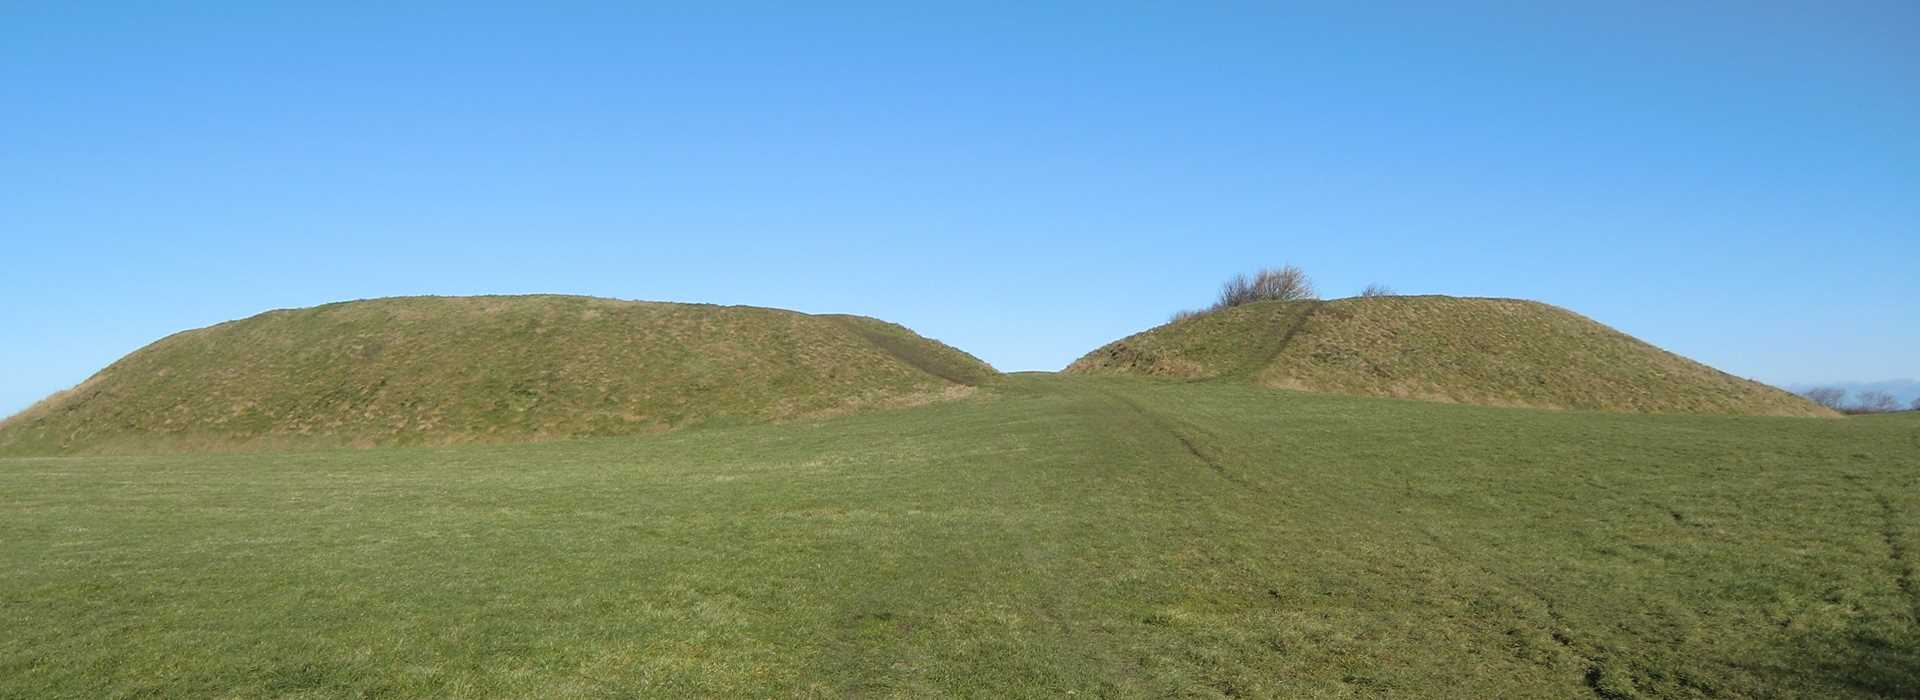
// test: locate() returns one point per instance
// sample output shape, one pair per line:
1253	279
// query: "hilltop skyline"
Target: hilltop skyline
1729	182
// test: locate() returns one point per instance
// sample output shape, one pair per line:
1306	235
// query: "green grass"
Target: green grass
1499	352
443	370
1101	536
930	356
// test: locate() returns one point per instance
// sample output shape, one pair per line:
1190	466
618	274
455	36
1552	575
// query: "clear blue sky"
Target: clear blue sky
1734	181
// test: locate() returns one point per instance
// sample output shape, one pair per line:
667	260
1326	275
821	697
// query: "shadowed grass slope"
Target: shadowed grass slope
436	370
1501	352
1092	536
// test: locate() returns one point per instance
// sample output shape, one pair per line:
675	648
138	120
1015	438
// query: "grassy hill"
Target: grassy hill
439	370
1500	352
1046	536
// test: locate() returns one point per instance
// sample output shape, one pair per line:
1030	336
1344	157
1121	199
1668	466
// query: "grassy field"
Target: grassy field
1048	535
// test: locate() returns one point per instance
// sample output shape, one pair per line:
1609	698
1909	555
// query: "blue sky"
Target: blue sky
1738	182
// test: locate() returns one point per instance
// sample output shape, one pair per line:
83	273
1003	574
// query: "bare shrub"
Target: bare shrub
1235	292
1287	283
1830	396
1915	406
1875	402
1377	290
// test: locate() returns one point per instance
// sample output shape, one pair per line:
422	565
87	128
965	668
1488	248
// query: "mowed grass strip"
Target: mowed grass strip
1101	536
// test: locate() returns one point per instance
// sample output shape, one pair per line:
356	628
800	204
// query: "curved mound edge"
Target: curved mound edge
486	369
1503	352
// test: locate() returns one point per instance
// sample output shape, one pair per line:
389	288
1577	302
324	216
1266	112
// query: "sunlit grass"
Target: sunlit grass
1049	535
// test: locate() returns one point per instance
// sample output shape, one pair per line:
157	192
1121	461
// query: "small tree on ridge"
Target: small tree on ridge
1286	283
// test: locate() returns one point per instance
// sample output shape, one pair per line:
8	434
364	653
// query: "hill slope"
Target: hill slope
432	370
1480	351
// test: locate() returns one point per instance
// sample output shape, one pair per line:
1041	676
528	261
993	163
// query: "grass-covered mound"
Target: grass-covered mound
1502	352
437	370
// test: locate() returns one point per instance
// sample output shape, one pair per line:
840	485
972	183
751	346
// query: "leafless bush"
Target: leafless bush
1185	314
1377	290
1875	402
1286	283
1915	406
1830	396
